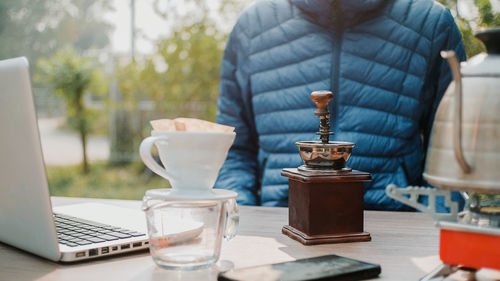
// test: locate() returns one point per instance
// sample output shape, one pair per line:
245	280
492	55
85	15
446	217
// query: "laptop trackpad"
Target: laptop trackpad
133	219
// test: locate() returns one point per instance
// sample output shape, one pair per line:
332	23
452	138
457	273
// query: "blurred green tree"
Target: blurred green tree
72	76
37	28
127	116
479	15
182	77
189	85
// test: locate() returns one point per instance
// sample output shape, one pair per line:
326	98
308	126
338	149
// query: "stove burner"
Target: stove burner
483	210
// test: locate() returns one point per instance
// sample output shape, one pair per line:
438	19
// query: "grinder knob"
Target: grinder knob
321	99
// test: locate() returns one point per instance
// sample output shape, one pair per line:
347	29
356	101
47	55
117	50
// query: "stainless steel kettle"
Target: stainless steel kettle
464	149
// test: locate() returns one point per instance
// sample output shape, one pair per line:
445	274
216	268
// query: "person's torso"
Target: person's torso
376	69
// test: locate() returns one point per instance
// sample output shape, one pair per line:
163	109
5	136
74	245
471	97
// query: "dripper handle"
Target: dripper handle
147	158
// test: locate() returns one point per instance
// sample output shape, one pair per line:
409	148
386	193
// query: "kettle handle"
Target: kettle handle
457	121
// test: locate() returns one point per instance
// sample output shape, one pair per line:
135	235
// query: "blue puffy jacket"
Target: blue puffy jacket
379	58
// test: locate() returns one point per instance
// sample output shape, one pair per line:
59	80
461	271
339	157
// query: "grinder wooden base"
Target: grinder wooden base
325	208
324	239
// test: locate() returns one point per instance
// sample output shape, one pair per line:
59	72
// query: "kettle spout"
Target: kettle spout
457	122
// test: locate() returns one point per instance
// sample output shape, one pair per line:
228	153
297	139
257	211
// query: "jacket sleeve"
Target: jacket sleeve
234	108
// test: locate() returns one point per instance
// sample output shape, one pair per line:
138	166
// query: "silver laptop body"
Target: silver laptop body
27	220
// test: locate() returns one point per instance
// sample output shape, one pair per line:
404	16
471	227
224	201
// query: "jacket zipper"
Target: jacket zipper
335	67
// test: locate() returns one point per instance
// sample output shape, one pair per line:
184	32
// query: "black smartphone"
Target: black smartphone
331	267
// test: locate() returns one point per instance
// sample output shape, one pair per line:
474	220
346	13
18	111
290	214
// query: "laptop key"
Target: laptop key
83	242
74	240
137	234
71	244
86	227
120	235
107	237
79	225
95	240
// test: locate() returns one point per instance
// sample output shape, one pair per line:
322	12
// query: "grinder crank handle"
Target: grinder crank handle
321	99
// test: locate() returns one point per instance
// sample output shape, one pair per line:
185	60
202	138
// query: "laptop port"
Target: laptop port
114	248
80	254
136	244
105	250
125	246
146	243
93	252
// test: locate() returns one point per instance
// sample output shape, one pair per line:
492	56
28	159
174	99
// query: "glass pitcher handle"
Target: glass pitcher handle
232	219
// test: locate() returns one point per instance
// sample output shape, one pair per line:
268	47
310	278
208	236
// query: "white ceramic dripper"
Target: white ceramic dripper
191	160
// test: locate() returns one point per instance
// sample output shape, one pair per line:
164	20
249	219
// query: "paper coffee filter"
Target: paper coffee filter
189	124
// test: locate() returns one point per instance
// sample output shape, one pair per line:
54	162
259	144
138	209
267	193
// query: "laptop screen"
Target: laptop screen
25	210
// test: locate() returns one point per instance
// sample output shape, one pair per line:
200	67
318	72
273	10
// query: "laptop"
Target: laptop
27	220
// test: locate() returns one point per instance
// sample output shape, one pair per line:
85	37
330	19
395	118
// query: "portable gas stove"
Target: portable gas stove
469	239
464	155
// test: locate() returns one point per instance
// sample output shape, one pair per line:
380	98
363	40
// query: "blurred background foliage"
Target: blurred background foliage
37	28
71	76
472	16
69	45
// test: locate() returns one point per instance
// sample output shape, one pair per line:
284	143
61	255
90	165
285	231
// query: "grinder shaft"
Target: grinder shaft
321	99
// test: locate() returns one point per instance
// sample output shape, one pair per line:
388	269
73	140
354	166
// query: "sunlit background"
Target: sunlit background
102	69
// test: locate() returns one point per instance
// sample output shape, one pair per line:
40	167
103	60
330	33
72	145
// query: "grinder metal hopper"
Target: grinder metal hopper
325	155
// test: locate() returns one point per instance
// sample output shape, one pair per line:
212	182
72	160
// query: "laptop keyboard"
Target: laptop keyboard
74	231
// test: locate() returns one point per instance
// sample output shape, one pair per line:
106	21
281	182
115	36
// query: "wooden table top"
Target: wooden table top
406	246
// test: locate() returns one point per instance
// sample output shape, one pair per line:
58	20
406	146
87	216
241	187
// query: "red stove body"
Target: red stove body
470	238
470	246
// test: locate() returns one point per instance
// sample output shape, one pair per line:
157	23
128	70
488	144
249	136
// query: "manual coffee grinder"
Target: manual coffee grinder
325	198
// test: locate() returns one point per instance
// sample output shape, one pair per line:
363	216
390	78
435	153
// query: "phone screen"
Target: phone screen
331	267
